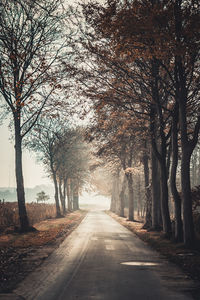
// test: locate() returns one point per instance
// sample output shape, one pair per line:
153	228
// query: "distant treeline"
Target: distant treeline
10	195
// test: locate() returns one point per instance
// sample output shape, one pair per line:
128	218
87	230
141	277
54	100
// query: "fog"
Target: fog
93	201
33	172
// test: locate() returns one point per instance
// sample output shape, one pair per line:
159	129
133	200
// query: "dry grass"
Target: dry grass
47	231
20	254
36	212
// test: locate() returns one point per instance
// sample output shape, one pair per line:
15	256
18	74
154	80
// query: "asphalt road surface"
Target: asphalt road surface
102	260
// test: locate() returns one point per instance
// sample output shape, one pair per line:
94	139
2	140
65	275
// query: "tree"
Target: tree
65	156
158	38
42	197
44	141
31	43
117	134
187	83
131	82
72	160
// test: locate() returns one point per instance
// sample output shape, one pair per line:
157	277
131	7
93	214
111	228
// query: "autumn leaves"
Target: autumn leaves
145	71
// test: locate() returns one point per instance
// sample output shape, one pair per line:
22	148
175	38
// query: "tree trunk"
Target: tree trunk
64	195
23	217
129	177
60	191
175	194
75	201
198	168
75	196
121	198
58	213
164	200
155	175
188	225
186	148
72	193
148	200
115	193
156	144
139	206
187	145
61	196
69	202
113	198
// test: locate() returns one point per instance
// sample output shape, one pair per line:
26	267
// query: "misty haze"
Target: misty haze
100	150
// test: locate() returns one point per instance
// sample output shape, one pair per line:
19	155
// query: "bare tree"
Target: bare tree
31	45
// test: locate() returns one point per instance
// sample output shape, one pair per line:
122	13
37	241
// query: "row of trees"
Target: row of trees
138	63
143	81
65	156
34	64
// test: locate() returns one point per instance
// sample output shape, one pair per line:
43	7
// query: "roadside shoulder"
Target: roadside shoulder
188	260
20	254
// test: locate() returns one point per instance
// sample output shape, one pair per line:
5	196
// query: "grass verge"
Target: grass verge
20	254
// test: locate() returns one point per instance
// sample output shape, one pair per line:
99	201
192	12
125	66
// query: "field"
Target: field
36	212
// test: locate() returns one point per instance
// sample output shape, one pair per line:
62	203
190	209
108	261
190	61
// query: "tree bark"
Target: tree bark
75	196
148	200
58	213
139	205
62	196
188	225
129	177
187	145
72	193
187	148
69	203
23	217
155	175
164	200
113	198
162	152
121	198
177	199
115	193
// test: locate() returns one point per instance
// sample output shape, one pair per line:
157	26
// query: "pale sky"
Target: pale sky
33	172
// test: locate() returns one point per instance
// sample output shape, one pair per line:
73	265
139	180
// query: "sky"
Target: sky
33	171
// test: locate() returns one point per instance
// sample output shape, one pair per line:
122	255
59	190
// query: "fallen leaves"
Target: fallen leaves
22	253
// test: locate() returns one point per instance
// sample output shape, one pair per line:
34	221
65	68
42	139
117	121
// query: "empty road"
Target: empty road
102	260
